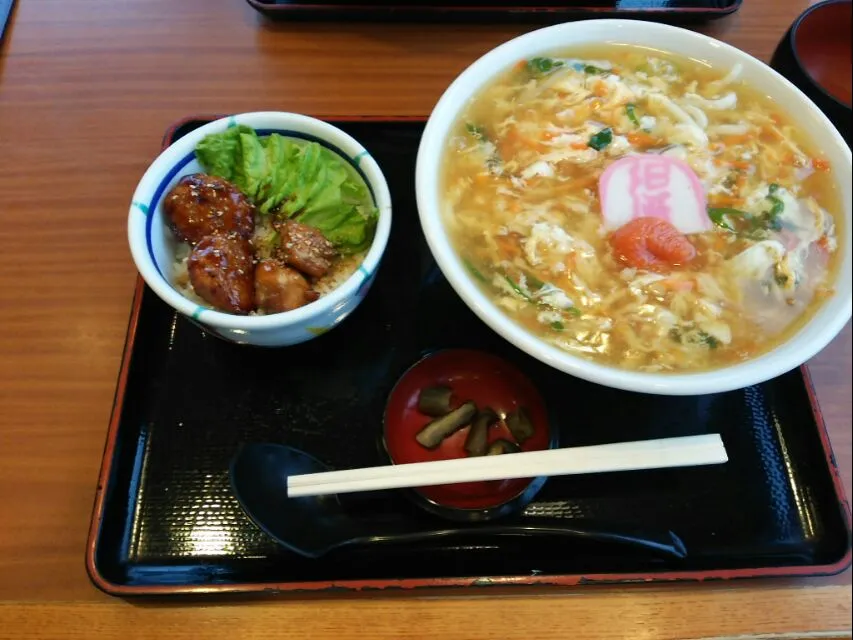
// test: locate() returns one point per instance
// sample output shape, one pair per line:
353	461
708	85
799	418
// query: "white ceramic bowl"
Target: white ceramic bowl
153	244
813	337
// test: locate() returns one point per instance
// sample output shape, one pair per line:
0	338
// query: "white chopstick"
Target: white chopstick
684	451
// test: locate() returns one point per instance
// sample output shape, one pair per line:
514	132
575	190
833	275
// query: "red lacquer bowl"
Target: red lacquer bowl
488	381
816	54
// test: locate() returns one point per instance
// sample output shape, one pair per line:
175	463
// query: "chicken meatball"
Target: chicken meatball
279	288
201	205
221	270
305	248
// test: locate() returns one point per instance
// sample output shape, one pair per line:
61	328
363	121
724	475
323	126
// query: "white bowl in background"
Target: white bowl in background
152	243
808	341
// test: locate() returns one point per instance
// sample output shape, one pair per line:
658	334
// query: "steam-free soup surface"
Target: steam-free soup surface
524	210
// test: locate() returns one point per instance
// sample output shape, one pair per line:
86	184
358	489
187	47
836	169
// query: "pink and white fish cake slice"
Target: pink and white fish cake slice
651	185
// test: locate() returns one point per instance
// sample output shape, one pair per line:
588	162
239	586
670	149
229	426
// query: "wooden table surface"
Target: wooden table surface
87	88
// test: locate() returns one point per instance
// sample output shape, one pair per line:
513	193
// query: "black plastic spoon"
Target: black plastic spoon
313	526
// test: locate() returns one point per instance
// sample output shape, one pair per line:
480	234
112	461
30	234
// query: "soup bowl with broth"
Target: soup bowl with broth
640	206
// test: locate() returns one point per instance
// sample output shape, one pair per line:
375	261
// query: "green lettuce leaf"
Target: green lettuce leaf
218	152
349	229
295	179
278	151
281	155
251	172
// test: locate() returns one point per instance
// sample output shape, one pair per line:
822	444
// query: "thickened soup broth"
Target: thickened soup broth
640	210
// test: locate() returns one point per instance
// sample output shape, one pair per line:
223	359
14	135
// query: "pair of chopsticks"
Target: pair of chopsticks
663	453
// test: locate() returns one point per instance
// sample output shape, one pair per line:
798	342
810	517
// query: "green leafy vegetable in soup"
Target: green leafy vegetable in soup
477	132
540	66
631	111
601	139
521	202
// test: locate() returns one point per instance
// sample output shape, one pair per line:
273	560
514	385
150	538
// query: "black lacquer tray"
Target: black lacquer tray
497	10
165	520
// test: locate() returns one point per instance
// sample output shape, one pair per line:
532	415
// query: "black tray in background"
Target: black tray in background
542	11
165	520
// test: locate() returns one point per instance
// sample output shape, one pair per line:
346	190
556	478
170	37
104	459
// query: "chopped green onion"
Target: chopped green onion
675	334
725	211
534	282
574	311
601	139
630	109
770	219
592	70
476	131
709	340
557	326
474	270
718	216
778	206
516	288
767	220
541	66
